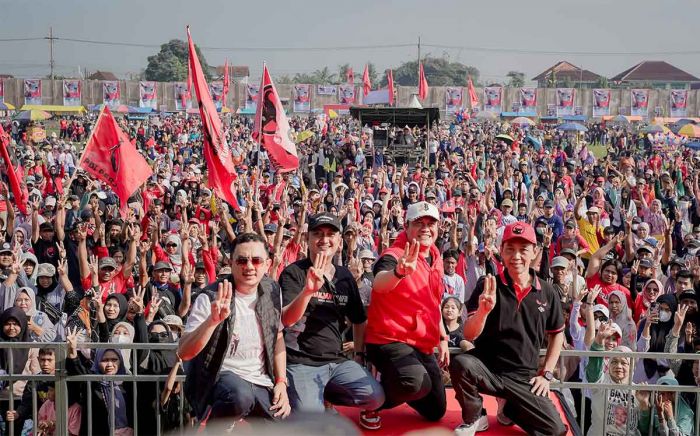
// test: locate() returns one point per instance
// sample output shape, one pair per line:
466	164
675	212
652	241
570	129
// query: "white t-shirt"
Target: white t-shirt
245	356
454	287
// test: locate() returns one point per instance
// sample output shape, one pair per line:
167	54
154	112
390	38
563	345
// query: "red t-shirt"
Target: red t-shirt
607	289
118	281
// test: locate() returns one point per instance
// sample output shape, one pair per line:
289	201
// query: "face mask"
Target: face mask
664	316
597	324
159	338
539	230
120	339
635	227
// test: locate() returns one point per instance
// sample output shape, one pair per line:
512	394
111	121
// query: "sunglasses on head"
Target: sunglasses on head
255	260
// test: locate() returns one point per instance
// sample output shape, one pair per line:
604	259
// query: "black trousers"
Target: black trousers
409	376
534	414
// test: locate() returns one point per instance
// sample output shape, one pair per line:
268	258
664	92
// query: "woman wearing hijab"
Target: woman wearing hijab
124	333
29	263
624	206
21	238
111	401
621	315
660	320
110	314
13	328
40	327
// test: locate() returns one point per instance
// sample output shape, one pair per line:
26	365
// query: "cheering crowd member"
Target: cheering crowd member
405	319
512	315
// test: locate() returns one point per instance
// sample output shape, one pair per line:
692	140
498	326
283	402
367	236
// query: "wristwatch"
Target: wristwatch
548	375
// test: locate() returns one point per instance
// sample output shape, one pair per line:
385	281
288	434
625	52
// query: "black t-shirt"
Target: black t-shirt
455	336
46	251
514	331
316	339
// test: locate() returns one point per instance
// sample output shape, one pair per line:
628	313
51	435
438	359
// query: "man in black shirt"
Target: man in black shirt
317	297
511	317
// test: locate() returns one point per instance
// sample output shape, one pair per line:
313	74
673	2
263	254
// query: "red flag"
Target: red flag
110	156
473	98
350	76
422	83
272	129
366	85
226	82
20	199
217	155
390	79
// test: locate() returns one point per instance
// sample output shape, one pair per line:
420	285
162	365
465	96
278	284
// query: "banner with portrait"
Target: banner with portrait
679	102
71	92
302	98
528	100
453	99
565	102
111	96
326	90
493	99
148	95
639	102
251	96
32	91
216	89
601	102
2	91
346	93
183	100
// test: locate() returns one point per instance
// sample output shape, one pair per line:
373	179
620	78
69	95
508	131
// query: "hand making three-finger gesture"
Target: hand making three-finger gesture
409	260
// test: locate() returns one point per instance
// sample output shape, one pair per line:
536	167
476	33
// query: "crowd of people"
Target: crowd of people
359	279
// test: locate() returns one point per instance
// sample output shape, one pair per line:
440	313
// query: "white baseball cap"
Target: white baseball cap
421	209
602	309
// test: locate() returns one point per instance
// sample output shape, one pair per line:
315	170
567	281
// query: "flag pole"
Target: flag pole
260	97
66	189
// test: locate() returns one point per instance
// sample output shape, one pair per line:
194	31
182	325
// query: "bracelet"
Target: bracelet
279	380
399	276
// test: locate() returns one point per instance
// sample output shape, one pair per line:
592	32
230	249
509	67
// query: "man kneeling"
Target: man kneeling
234	335
511	316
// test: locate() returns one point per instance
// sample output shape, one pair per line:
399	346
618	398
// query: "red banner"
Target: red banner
639	102
601	102
32	91
222	173
473	98
111	94
110	157
71	92
227	82
272	129
390	79
346	94
2	91
366	84
17	191
528	99
422	83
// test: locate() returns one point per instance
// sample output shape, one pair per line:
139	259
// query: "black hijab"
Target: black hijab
658	333
123	308
159	361
19	356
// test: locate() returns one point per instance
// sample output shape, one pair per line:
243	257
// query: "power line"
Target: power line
21	39
561	52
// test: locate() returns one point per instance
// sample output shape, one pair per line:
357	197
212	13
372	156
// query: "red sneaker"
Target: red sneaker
370	420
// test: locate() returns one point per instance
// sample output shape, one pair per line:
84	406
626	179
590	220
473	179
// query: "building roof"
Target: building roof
6	76
102	75
654	71
564	70
236	71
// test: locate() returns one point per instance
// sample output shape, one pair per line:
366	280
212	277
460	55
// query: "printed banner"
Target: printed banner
453	99
2	91
601	102
493	96
679	102
302	99
110	93
32	91
148	95
216	89
528	100
326	90
346	93
71	92
639	102
183	101
565	101
251	96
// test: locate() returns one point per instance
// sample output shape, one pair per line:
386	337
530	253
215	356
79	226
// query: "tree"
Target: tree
372	71
343	73
516	79
318	77
567	83
602	82
170	63
284	80
552	79
438	71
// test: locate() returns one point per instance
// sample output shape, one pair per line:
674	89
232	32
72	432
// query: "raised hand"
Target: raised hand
580	294
593	294
635	267
93	264
314	276
72	341
409	260
487	299
62	268
221	306
547	237
137	299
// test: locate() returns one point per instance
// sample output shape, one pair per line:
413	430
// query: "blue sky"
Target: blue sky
581	32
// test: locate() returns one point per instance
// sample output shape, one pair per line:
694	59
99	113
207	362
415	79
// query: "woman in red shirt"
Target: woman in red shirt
606	274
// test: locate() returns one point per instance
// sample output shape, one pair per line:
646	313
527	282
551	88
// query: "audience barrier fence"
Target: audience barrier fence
63	382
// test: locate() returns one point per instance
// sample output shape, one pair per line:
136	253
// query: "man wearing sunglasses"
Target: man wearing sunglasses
234	336
318	297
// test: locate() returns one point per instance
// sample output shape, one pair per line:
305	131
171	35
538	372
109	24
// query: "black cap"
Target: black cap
570	224
46	226
677	261
199	265
646	263
6	248
688	294
162	265
548	203
325	219
270	228
644	248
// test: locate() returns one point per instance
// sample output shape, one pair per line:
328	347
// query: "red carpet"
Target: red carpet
403	419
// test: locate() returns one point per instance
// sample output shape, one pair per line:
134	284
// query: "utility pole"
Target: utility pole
51	39
419	50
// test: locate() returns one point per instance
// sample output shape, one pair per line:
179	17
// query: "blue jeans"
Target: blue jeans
237	398
343	384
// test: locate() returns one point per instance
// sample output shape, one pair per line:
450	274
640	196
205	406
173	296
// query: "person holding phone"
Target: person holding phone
655	328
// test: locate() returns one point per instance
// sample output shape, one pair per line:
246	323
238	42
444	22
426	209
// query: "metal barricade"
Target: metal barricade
63	382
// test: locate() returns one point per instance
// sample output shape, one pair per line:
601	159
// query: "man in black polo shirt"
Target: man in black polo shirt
317	297
511	317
